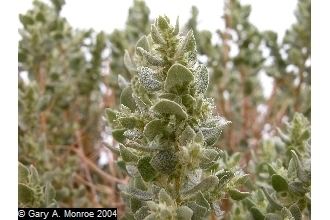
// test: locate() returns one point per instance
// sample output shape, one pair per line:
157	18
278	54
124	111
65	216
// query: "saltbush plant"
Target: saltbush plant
166	128
237	60
163	118
281	186
31	191
60	106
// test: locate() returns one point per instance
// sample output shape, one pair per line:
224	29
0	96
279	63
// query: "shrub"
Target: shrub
167	128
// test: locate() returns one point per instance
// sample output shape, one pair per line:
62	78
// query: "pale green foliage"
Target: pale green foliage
292	71
59	104
123	41
284	190
287	195
31	192
236	77
167	130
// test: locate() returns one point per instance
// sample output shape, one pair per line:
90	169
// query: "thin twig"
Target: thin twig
97	169
100	188
87	171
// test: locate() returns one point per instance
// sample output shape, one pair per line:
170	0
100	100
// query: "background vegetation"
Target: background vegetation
71	80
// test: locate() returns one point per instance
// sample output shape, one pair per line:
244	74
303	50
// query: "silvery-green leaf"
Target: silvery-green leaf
151	59
155	189
133	134
34	176
211	135
224	177
212	130
199	212
153	128
156	37
137	146
188	44
166	214
147	172
301	173
128	122
187	135
152	216
152	206
132	171
142	43
286	213
202	79
291	169
25	194
195	177
304	135
217	121
122	82
200	200
257	214
50	193
139	194
134	204
111	114
188	101
270	169
164	161
191	58
143	108
127	99
209	156
199	137
206	184
142	212
169	96
279	183
238	195
178	78
297	188
140	184
162	23
118	135
127	154
164	197
171	108
147	79
295	211
23	173
128	63
273	216
184	213
274	204
242	179
218	212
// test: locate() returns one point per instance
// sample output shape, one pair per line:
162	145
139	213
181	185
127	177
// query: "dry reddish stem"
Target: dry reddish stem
99	171
87	171
245	104
225	104
298	90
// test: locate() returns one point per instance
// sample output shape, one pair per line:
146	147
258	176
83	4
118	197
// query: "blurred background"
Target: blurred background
106	16
103	15
70	54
